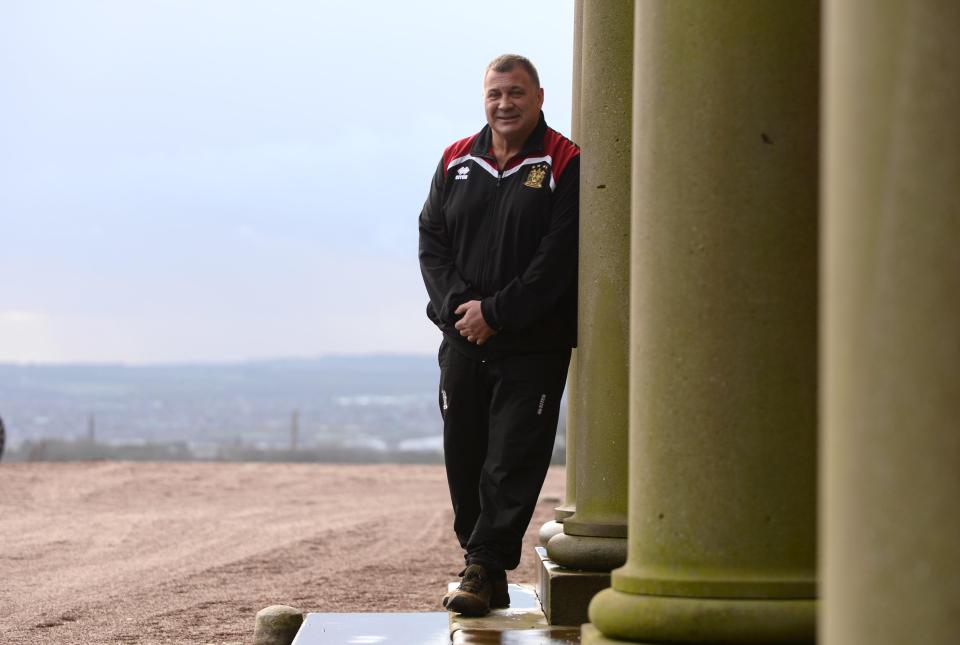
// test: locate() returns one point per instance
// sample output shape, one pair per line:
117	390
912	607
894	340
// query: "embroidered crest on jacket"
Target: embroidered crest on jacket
536	176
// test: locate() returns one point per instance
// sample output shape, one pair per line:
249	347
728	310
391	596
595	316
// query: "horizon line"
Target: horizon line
214	362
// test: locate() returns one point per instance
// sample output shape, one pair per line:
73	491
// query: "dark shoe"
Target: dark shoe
478	592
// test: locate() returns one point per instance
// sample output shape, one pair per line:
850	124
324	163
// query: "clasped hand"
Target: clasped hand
471	324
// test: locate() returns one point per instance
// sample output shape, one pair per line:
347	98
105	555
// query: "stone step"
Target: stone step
521	624
380	629
548	636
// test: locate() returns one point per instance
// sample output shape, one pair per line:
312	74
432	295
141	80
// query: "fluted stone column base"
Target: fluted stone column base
669	619
587	553
548	530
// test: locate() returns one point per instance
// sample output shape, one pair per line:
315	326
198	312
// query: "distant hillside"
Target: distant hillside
334	408
359	399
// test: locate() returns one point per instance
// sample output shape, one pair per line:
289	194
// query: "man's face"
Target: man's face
512	103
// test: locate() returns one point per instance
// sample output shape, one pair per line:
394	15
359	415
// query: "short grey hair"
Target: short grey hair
506	63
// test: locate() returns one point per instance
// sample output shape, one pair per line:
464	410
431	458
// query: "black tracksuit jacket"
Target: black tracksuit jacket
507	237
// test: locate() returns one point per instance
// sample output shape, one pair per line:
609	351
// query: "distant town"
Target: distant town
344	409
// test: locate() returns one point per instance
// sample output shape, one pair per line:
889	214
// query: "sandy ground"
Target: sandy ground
118	552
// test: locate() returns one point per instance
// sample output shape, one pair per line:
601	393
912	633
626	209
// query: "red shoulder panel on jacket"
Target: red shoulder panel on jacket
561	149
458	149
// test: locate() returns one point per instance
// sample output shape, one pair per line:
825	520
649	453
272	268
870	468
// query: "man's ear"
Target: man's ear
540	97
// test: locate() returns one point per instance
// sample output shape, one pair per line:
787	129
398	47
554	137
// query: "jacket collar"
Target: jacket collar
482	145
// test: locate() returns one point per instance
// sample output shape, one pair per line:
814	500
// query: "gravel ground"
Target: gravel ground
120	552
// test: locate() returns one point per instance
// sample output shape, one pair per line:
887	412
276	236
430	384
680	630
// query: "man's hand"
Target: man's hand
472	325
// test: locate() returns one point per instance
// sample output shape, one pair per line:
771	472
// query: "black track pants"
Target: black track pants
499	424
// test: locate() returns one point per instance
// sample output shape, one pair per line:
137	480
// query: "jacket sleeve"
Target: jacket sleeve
445	286
552	271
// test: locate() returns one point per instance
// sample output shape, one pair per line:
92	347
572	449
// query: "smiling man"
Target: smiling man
498	253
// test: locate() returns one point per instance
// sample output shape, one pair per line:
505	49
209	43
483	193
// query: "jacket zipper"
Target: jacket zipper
488	222
491	211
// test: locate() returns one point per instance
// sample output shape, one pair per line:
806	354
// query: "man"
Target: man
498	253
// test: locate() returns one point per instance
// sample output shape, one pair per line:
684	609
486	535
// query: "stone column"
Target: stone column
891	334
569	505
723	328
594	537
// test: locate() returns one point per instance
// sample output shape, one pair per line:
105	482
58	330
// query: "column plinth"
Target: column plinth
722	511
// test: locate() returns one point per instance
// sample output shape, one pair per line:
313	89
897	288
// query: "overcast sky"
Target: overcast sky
207	180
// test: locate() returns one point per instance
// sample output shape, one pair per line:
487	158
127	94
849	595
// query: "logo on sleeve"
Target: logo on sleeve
536	176
463	172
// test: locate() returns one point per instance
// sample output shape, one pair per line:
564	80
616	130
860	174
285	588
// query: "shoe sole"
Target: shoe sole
496	602
505	604
463	605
